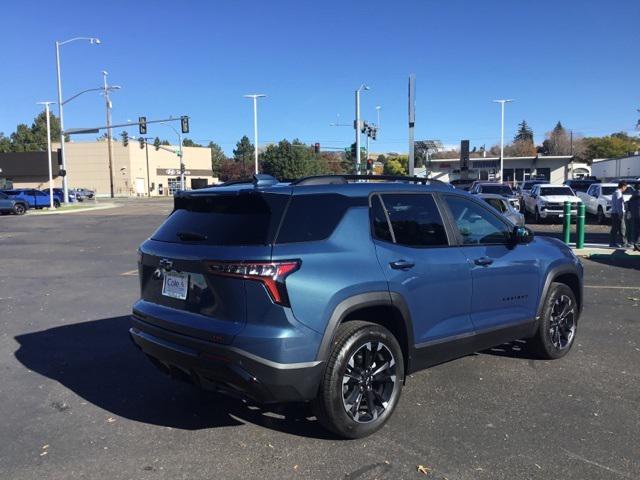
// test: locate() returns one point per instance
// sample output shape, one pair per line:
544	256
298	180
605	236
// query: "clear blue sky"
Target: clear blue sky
574	61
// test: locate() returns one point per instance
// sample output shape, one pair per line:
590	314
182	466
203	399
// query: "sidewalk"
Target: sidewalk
75	208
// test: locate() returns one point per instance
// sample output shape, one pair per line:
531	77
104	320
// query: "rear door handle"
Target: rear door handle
483	261
401	265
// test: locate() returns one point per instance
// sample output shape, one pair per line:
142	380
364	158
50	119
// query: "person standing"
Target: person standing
618	228
634	215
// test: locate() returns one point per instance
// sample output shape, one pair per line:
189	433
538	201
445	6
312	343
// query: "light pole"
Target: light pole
255	97
106	89
502	102
378	108
356	125
46	109
91	40
181	157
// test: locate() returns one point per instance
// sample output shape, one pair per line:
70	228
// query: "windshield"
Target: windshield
3	195
497	189
529	185
611	189
556	191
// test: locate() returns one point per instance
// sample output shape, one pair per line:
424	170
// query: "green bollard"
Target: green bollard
566	228
580	225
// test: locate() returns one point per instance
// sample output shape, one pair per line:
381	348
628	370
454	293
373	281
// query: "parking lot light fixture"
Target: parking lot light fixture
502	102
46	109
92	41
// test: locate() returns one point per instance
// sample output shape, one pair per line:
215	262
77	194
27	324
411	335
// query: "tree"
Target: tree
381	158
187	142
244	151
217	157
396	166
558	142
525	133
616	145
291	160
233	170
5	143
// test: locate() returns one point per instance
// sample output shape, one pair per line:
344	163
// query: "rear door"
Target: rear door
415	254
175	272
505	276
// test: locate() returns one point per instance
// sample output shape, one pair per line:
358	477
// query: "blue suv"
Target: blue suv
331	290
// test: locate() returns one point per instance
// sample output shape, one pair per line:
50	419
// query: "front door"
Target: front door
432	277
505	275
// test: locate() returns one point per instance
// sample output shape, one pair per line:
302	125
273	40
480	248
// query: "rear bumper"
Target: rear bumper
225	368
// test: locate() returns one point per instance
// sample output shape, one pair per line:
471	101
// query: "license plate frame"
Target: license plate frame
175	285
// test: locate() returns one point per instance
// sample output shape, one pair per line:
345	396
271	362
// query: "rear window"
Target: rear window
314	217
244	219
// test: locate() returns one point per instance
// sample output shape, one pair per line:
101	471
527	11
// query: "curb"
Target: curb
605	252
103	206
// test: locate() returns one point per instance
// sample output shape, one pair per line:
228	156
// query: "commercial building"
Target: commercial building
133	173
609	168
554	169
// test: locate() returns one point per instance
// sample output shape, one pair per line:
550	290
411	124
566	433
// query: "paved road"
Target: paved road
78	401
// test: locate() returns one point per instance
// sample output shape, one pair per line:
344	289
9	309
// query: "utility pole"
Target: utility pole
502	102
146	151
357	126
109	146
181	163
46	109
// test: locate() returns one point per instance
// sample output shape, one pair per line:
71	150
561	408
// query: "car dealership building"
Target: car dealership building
134	173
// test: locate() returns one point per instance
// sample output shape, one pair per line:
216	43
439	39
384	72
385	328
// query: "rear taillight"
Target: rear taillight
271	274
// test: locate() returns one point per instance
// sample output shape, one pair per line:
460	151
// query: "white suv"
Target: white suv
597	199
547	201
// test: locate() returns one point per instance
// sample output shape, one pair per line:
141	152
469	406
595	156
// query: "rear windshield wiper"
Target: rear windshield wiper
191	236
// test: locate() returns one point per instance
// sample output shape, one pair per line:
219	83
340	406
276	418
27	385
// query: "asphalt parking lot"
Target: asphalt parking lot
79	401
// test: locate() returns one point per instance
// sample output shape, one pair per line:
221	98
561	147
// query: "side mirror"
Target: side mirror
522	235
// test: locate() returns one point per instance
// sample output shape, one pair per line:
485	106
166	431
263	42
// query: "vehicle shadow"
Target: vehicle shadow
515	349
97	361
621	260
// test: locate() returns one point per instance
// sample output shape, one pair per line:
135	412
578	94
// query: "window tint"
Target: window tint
497	189
313	217
242	219
415	220
556	191
476	224
381	229
495	203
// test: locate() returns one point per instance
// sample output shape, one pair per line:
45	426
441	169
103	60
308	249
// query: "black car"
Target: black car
8	204
580	185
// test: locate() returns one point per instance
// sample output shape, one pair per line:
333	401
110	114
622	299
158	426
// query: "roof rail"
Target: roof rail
338	179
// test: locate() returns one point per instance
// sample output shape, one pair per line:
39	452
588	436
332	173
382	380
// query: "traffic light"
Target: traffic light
142	125
125	139
369	165
374	133
141	140
353	150
156	144
184	124
316	148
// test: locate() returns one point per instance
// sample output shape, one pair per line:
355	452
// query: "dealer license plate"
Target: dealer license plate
175	285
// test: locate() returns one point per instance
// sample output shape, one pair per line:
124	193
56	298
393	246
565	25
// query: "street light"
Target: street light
378	108
255	97
92	41
46	109
502	102
357	126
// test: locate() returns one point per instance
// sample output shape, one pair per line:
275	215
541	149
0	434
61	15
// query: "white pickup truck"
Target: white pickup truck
597	199
546	201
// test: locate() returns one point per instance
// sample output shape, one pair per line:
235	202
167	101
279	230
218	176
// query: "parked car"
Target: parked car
59	194
597	199
13	205
496	188
332	290
82	193
462	184
546	202
34	198
580	185
502	205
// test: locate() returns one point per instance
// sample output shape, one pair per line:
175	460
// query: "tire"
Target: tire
556	330
347	383
600	218
536	216
56	203
19	209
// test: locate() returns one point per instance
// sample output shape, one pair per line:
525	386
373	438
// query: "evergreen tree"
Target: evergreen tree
524	133
217	157
243	151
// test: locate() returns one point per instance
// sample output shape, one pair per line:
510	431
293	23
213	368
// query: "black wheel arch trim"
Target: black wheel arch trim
366	300
553	274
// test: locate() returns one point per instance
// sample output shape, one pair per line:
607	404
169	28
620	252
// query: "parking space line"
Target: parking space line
612	287
130	272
